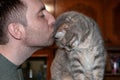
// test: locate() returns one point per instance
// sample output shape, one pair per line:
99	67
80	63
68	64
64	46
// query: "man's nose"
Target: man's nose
50	18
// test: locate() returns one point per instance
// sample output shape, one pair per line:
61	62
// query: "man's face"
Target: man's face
39	30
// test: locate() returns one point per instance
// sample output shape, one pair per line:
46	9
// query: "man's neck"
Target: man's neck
16	54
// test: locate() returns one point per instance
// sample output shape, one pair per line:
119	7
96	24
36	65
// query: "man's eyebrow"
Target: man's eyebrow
41	9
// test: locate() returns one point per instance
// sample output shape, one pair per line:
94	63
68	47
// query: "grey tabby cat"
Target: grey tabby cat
81	54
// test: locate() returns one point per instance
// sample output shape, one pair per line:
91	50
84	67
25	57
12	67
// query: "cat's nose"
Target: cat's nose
59	35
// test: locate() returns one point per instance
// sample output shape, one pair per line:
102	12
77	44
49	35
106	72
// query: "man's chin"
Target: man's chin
47	44
50	42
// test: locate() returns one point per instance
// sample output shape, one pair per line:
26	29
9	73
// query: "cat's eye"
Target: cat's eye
65	26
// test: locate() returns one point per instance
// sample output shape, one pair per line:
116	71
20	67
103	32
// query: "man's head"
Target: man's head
27	21
11	11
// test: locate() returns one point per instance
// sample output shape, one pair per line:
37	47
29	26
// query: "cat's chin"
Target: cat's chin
60	45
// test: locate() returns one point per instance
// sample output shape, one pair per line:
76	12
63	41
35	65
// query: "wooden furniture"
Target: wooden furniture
110	74
112	77
45	53
111	16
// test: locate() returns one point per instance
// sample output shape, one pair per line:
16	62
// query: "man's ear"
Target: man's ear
16	30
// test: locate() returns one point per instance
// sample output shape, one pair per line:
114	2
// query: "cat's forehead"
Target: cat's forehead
68	21
71	19
64	25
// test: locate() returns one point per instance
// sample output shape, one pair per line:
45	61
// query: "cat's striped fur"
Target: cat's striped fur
81	54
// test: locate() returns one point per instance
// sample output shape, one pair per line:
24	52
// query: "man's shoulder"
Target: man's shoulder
9	71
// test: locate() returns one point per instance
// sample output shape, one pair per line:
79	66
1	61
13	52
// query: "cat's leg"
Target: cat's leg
58	67
98	69
76	67
55	73
98	74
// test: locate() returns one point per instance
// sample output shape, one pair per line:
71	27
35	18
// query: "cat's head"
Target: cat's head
70	29
75	29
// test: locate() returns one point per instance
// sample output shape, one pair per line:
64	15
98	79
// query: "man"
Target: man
25	26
